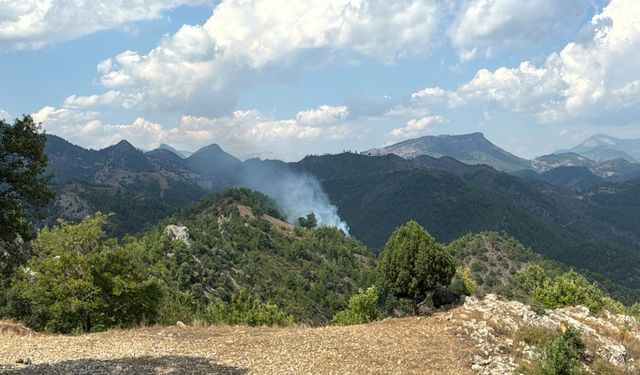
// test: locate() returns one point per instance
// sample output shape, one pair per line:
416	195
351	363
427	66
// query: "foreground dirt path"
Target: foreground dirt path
396	346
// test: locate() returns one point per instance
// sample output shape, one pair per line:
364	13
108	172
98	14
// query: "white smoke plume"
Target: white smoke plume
296	193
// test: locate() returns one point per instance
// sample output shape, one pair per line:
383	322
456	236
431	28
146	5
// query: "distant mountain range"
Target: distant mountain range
469	148
557	205
598	160
602	147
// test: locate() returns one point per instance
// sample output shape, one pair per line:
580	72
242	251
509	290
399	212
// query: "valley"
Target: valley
563	213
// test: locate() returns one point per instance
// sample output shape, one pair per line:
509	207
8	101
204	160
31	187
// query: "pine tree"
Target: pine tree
413	264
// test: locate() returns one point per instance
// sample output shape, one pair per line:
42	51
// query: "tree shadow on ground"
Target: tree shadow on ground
169	365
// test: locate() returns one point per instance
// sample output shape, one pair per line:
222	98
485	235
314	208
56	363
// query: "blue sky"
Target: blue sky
283	79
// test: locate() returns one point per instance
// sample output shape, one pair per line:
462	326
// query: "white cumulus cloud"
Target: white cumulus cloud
323	115
594	79
481	25
202	67
241	131
37	23
416	126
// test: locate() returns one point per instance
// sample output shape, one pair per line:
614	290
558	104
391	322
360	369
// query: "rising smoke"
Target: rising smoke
296	192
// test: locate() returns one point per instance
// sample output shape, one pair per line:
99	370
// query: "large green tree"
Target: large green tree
23	186
80	280
413	264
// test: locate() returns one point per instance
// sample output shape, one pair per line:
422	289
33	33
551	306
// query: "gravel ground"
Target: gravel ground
426	345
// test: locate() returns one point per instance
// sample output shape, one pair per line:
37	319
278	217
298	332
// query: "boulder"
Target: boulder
177	233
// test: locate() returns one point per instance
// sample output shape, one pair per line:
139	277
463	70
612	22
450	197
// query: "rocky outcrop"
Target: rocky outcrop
493	323
177	233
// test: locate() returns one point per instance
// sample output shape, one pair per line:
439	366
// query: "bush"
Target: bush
308	222
245	310
569	289
463	282
363	308
560	356
529	279
602	367
177	306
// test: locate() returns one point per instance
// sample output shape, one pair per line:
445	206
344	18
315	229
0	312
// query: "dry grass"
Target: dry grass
283	226
395	346
535	336
9	328
619	334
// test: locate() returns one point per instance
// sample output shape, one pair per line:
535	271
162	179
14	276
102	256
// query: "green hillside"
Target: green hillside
238	242
494	258
377	194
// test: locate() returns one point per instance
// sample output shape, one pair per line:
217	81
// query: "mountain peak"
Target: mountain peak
122	146
211	147
471	148
603	147
181	154
600	140
212	160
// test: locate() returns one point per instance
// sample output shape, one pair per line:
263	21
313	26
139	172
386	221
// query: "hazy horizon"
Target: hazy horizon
291	157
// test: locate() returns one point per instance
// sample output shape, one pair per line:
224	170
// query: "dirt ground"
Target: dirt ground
424	345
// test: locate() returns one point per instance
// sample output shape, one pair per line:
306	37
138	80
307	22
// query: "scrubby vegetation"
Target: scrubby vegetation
567	289
236	267
463	283
364	307
560	355
494	258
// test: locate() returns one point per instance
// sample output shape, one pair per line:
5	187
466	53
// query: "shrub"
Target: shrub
308	222
634	309
560	356
363	308
245	310
602	367
529	279
177	306
569	289
463	282
612	305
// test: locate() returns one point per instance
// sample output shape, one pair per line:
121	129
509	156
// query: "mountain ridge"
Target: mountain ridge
375	194
600	146
471	148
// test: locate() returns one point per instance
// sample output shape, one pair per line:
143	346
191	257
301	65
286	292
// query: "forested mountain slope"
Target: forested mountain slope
239	242
451	199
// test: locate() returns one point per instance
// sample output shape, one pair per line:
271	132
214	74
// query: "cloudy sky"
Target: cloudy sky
289	78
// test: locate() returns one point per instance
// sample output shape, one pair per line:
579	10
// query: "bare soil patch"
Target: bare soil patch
424	345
